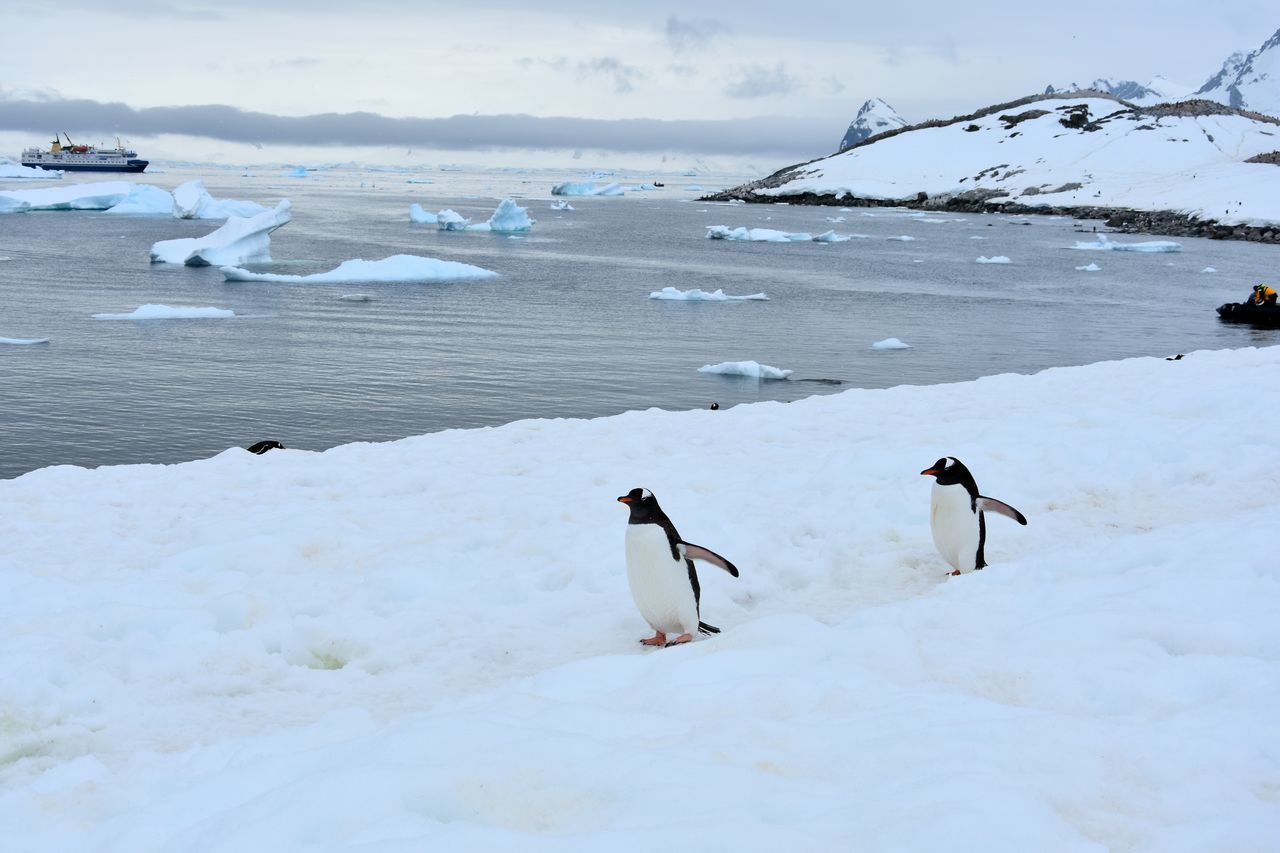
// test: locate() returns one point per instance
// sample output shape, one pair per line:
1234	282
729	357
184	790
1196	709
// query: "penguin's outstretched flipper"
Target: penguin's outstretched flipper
985	504
704	628
689	551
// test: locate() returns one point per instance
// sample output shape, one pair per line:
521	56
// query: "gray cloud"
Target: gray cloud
798	139
756	81
688	36
607	66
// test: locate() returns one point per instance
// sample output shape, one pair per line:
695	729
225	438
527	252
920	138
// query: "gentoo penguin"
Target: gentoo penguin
956	515
262	447
661	574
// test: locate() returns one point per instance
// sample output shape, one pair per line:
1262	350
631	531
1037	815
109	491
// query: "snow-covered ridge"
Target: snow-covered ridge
874	116
1249	81
1059	153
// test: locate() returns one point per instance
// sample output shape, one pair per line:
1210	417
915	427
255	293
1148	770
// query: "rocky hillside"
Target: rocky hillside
1249	81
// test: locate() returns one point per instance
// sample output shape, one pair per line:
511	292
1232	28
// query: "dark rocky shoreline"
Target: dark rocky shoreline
1124	220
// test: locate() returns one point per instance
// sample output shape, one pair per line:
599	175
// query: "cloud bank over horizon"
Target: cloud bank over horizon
799	138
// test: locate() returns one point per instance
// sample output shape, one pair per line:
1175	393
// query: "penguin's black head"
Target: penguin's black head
949	471
263	446
642	503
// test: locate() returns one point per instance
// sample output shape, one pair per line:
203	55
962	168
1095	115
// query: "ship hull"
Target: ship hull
131	166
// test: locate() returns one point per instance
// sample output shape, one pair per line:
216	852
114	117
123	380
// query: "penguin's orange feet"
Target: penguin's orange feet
681	640
658	639
954	574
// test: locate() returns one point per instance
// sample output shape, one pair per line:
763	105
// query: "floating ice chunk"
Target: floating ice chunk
417	214
145	200
1089	268
994	259
450	220
296	172
192	201
1103	244
976	237
397	268
904	238
11	170
830	237
697	295
751	369
1208	269
509	218
835	219
22	342
356	297
94	196
167	312
890	343
240	240
561	205
586	188
754	235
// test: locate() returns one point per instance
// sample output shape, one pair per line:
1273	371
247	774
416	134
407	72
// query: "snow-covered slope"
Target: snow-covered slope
1249	81
1062	152
429	644
874	116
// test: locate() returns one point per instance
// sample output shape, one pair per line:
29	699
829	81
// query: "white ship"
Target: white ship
83	158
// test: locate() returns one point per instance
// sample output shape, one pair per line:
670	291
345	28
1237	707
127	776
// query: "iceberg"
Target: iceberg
21	342
904	238
167	312
296	172
750	369
240	240
96	196
397	268
890	343
356	297
585	188
449	220
420	216
561	205
509	218
831	237
995	259
144	200
1089	268
192	201
1105	245
697	295
11	170
1208	269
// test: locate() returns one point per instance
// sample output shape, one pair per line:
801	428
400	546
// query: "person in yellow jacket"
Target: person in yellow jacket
1263	294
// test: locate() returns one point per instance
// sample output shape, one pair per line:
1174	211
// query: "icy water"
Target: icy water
566	330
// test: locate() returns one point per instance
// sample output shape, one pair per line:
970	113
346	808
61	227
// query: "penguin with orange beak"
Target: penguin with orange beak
957	515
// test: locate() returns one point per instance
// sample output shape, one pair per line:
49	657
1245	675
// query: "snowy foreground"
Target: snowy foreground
429	644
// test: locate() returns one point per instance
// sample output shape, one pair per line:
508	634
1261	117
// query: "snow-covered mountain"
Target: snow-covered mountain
1249	81
1060	151
874	116
1157	91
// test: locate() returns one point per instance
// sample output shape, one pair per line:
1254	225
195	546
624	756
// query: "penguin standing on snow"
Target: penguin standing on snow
660	572
956	515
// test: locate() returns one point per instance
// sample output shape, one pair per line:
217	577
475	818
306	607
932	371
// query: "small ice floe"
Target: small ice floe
697	295
296	172
420	216
586	188
11	170
904	238
356	297
1103	244
976	237
1089	268
240	240
755	235
168	312
750	369
890	343
450	220
102	195
397	268
561	205
23	342
1208	269
835	219
830	237
995	259
419	181
192	201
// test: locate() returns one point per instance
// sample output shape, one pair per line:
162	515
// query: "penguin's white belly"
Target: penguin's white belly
954	525
659	584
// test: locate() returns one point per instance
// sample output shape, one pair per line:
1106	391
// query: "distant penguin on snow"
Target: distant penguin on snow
660	572
956	515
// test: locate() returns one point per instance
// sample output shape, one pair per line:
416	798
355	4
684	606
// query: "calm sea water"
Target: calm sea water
567	330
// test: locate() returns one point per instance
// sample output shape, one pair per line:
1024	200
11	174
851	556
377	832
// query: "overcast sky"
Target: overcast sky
747	78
